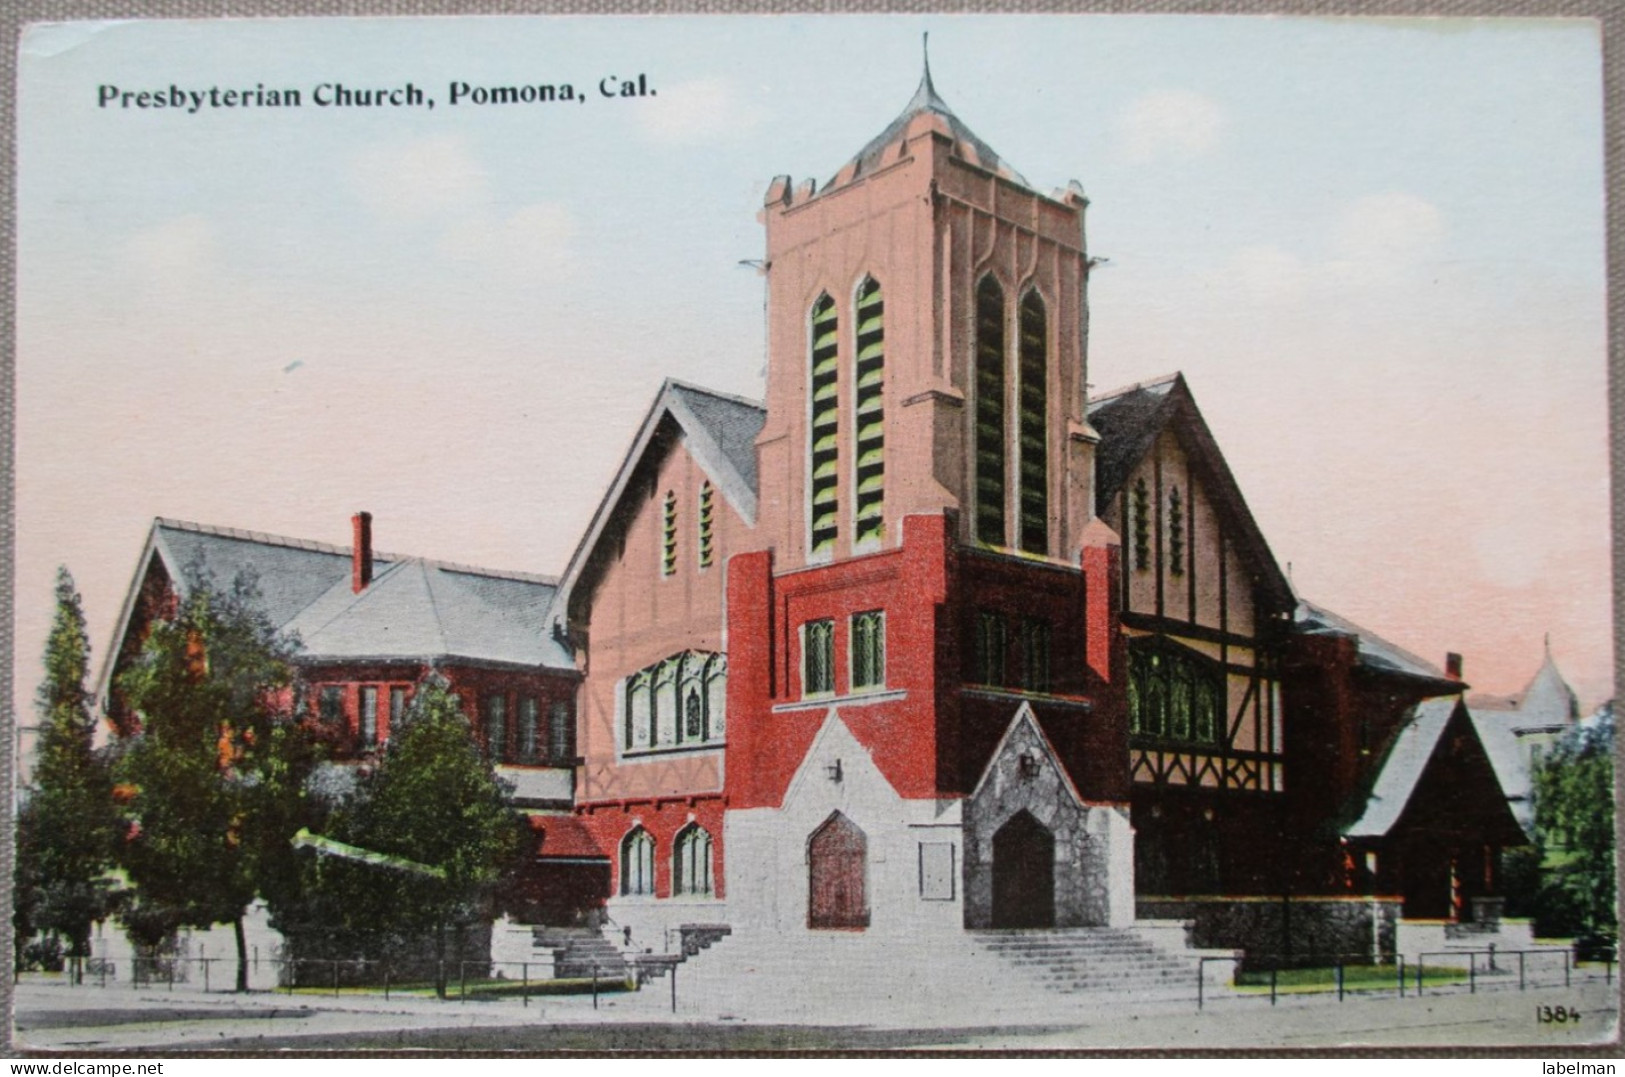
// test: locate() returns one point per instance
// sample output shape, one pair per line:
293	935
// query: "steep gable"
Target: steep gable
1130	421
719	433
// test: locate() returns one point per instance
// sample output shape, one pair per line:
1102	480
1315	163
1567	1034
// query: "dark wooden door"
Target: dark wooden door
837	860
1023	874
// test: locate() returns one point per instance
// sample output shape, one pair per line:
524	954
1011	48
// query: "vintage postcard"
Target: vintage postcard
786	532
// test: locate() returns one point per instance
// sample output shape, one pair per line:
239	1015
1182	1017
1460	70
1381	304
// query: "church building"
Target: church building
932	641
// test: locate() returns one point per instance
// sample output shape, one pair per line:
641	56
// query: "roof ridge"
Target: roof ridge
1147	383
677	383
265	538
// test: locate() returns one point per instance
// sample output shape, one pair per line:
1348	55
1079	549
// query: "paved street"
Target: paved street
53	1016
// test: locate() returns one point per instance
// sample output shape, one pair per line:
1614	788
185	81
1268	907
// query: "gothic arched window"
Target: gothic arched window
989	442
823	495
638	863
869	406
1033	434
691	861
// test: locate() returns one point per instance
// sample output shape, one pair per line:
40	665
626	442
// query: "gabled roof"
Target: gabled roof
291	572
1402	768
927	102
425	609
1376	654
1394	788
719	432
1130	420
1510	761
428	610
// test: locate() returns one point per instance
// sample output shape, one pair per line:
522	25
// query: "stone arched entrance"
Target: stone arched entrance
1023	873
837	869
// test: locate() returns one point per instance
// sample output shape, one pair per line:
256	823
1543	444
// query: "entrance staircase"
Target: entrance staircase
580	953
1091	960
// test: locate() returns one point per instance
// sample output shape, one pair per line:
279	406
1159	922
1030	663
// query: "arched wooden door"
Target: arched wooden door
837	862
1023	873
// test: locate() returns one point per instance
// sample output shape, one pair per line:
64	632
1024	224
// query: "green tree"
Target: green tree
434	800
67	824
210	774
1574	823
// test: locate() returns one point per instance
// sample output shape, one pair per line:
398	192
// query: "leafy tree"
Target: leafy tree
434	800
214	771
66	826
1574	822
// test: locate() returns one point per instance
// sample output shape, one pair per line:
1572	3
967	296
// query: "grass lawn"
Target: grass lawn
1355	978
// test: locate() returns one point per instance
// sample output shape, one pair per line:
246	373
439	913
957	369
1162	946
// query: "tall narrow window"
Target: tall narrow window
638	864
987	650
665	716
639	709
1035	637
330	704
1141	511
869	650
691	865
496	726
824	495
990	412
707	550
369	716
561	739
1176	533
818	658
1034	430
668	535
397	707
530	750
869	405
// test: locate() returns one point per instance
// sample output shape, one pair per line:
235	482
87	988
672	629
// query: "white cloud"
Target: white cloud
703	110
533	239
1268	274
1173	124
184	247
1394	226
417	178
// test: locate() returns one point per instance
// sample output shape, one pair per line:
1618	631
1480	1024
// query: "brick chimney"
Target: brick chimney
1452	665
361	551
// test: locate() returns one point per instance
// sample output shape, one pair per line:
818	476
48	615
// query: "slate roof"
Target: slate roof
731	421
291	573
1510	761
1129	421
927	102
1402	768
425	609
1548	701
719	432
1375	653
413	608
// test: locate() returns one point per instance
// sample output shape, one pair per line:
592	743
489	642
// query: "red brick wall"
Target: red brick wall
610	823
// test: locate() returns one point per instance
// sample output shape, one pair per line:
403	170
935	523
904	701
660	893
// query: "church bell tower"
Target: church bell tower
927	343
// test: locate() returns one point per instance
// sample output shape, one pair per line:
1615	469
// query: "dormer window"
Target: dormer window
823	495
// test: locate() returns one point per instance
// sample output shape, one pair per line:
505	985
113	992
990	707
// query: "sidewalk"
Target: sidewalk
90	1019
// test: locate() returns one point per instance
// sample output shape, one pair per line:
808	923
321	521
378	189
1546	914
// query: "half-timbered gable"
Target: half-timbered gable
1203	601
